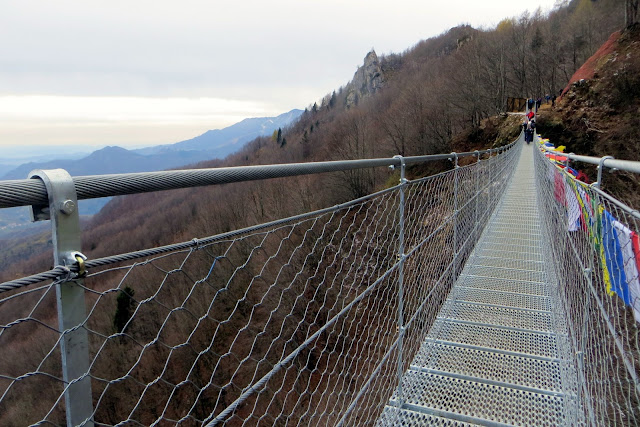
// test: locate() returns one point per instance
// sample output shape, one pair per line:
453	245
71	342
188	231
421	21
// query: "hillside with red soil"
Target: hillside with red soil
598	114
588	69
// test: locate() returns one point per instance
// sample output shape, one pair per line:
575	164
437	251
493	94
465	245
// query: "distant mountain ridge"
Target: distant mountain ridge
210	145
226	140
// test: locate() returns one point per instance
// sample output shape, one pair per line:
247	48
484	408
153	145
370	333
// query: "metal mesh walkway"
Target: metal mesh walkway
498	352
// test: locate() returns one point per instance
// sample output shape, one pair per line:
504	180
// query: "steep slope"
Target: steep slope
598	113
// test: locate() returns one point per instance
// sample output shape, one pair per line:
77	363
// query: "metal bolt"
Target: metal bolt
68	207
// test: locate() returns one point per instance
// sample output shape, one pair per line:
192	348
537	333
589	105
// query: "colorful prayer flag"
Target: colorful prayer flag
611	250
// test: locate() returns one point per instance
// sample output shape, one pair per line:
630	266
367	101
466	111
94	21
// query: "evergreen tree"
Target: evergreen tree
332	100
124	309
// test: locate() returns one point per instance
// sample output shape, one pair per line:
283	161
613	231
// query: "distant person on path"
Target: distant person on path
538	102
530	115
530	104
528	126
528	132
553	101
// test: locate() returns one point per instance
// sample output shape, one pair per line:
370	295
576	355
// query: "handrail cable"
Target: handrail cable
25	192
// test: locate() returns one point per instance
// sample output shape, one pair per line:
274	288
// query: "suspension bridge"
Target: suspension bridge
502	292
498	349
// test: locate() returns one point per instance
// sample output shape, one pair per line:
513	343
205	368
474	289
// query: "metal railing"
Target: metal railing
601	162
310	319
593	245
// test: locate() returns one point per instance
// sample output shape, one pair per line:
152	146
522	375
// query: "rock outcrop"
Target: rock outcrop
367	80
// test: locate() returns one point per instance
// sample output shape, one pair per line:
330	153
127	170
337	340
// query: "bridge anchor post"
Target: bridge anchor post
74	342
454	267
401	259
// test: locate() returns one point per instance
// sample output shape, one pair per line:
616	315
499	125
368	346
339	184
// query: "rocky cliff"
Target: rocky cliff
368	79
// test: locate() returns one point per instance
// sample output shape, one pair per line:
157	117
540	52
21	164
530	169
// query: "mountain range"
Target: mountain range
212	144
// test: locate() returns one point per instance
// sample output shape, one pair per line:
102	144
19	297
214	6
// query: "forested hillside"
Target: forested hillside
434	97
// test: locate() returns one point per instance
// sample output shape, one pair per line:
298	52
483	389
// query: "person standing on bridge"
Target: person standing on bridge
528	131
530	115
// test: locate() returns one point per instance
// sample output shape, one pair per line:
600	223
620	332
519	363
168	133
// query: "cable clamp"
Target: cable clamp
455	159
196	242
80	258
403	180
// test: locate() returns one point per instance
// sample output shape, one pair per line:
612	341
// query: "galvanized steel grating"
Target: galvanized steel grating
506	299
501	316
526	250
490	283
501	238
481	401
544	375
506	273
406	417
514	235
497	261
502	253
530	343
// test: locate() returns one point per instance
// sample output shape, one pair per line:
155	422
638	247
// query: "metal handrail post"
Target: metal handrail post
62	210
580	354
477	196
492	178
598	183
401	259
455	218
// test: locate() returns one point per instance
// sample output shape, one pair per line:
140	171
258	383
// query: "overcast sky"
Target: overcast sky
142	72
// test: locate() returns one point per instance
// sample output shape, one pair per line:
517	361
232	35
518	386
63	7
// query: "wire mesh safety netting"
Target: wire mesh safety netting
592	242
305	321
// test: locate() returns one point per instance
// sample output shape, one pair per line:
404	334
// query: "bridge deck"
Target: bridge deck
498	352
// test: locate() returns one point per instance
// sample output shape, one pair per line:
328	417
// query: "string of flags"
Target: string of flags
617	246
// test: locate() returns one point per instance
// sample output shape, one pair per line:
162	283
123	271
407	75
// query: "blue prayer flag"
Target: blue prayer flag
614	259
